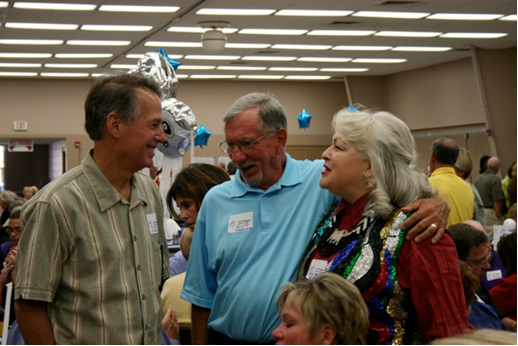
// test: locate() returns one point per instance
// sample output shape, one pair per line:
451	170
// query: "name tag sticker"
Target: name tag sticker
494	275
317	267
241	222
152	223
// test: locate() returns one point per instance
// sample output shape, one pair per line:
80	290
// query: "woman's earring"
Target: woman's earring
370	184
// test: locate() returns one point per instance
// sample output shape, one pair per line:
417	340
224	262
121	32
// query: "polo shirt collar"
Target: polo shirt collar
104	192
291	176
444	170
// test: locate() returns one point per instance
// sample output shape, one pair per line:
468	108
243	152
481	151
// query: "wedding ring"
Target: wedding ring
433	225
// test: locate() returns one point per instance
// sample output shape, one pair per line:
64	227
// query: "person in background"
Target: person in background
480	337
463	167
265	216
504	291
470	284
483	163
188	190
451	187
324	311
29	191
505	184
490	188
511	188
231	169
372	165
93	255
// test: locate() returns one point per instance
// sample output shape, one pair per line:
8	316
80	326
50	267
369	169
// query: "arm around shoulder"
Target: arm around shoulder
34	322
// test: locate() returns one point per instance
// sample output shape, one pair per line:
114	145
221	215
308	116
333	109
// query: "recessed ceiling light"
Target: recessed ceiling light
140	56
82	55
234	12
198	30
16	64
147	9
213	57
313	13
464	16
247	45
54	6
379	61
71	65
341	32
383	14
244	76
32	42
173	44
3	4
301	69
322	59
123	66
241	68
421	49
269	58
116	27
41	26
473	35
196	67
308	77
408	33
365	48
18	74
180	76
25	55
344	69
510	17
272	32
60	74
97	43
301	46
209	76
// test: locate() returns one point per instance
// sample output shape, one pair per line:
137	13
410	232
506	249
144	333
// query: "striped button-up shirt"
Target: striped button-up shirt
95	258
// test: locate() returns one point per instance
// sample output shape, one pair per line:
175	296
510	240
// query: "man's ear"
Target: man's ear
114	125
327	335
282	137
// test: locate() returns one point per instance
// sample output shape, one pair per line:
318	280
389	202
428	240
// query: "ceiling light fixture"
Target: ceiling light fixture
213	39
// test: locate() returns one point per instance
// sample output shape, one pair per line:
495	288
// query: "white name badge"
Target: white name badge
152	223
241	222
316	268
493	275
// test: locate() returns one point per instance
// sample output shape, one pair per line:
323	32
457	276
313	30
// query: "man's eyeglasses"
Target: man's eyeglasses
483	262
10	230
244	145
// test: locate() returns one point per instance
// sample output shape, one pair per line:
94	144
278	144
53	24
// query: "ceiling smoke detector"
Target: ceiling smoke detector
213	39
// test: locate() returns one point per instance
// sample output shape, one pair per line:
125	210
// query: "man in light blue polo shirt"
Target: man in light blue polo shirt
252	231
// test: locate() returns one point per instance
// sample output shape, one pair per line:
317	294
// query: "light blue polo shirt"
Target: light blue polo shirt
248	243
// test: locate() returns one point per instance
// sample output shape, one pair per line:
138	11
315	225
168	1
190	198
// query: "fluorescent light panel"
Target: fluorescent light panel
25	55
41	26
272	32
196	67
341	32
147	9
509	18
322	59
313	13
213	57
234	12
386	14
173	44
344	69
464	16
140	56
123	66
247	45
421	49
244	76
209	76
82	56
241	68
473	35
90	27
408	33
32	42
362	48
198	30
71	65
301	46
18	74
292	69
308	77
269	58
3	4
54	6
20	65
97	43
378	61
59	74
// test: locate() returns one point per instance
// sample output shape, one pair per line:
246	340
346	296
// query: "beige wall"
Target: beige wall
435	101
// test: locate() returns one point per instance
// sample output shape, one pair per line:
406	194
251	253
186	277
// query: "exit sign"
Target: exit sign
21	125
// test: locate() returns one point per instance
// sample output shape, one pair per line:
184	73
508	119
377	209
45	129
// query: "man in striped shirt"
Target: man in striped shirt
93	255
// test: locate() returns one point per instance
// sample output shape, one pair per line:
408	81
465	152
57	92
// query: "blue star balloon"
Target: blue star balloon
202	136
173	63
352	109
304	118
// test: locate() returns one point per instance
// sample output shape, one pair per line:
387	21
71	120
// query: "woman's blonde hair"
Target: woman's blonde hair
329	299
